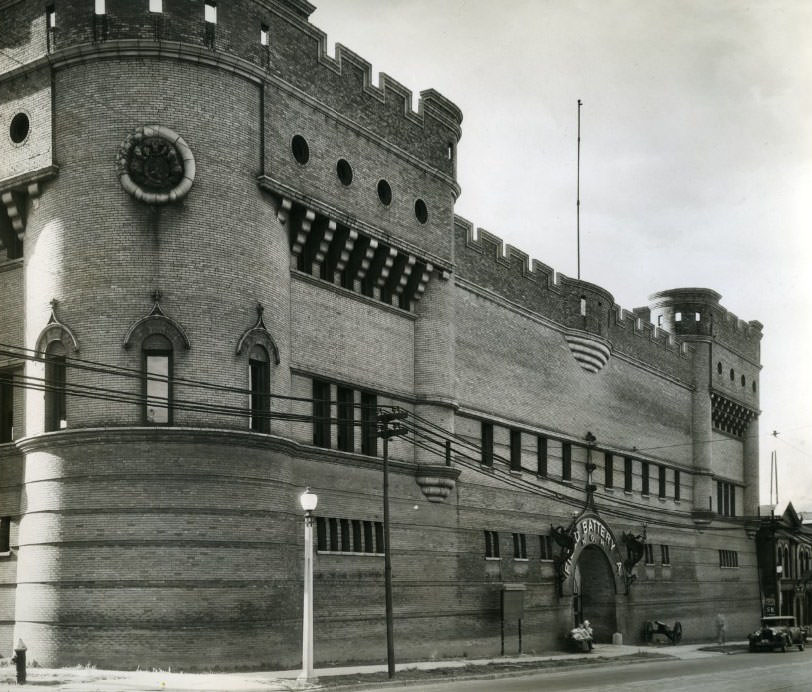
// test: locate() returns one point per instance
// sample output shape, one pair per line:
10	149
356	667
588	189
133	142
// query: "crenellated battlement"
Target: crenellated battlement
487	261
270	39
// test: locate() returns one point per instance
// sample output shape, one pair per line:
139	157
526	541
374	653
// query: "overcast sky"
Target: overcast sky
696	158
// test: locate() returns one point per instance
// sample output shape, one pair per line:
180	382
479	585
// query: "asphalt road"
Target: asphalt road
741	672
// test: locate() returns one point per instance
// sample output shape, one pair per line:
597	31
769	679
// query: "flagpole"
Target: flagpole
578	194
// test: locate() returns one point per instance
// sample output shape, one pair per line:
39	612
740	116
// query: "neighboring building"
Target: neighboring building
784	545
167	167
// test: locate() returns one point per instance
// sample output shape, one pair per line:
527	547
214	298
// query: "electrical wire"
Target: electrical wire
425	434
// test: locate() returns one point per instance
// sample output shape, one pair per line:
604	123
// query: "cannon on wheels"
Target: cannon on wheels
653	627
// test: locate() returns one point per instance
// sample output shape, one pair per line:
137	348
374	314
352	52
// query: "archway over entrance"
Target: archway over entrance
594	593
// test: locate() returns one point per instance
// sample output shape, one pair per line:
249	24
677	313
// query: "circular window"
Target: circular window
301	152
719	367
421	211
384	193
19	128
732	375
344	171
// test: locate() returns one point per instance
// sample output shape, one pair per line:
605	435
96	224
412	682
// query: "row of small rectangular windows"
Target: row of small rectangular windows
155	6
566	462
728	558
349	536
546	548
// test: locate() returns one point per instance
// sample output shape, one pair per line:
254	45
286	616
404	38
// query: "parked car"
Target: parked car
778	632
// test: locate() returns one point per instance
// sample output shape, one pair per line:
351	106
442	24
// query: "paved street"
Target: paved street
745	672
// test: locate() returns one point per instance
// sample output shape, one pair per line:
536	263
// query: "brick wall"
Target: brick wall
29	94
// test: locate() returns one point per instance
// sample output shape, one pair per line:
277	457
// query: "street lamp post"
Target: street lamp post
308	501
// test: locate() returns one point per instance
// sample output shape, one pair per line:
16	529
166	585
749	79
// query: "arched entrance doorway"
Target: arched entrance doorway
593	591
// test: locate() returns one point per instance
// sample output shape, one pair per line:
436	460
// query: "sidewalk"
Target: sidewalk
92	680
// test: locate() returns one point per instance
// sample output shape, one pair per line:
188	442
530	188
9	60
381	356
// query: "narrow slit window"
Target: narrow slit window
515	450
583	306
100	7
566	461
491	544
321	413
678	317
609	470
263	35
55	381
259	375
156	6
6	407
661	481
50	13
346	419
157	350
542	456
5	535
369	424
487	444
210	12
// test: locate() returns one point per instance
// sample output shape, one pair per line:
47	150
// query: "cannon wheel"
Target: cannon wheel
677	632
648	631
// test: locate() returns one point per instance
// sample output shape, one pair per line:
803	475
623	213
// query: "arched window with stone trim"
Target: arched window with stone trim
54	345
159	339
258	344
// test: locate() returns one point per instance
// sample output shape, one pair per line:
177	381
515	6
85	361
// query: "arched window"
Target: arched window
583	306
259	382
156	352
54	343
55	399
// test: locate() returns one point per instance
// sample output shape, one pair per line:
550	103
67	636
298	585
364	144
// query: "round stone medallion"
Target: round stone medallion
155	165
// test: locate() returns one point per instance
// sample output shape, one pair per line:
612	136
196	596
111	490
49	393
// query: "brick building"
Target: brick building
784	545
223	252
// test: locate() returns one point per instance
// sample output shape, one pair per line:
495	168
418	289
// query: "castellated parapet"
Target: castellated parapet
485	260
295	54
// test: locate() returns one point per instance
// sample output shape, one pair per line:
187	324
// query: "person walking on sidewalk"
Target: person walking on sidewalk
721	627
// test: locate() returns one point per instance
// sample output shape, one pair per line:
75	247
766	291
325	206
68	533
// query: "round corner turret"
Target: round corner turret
684	311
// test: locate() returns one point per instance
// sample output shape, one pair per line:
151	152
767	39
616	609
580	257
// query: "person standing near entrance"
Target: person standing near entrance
721	627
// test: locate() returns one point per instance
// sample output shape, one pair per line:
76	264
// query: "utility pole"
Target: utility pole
385	432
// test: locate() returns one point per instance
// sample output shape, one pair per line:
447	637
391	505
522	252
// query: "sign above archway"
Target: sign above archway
586	530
